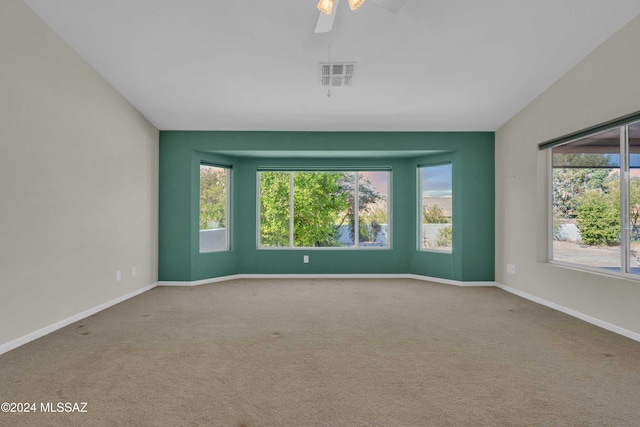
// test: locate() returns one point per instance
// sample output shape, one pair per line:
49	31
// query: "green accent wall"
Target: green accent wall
471	155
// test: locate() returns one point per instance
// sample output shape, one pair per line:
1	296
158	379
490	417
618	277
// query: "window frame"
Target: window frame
420	237
227	213
622	124
291	171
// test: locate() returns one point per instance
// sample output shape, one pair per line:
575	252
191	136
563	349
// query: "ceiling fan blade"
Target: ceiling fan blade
325	22
391	5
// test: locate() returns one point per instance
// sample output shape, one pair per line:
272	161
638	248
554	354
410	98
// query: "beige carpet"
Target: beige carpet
327	353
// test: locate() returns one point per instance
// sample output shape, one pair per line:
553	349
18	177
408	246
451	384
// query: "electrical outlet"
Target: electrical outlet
118	276
133	271
511	268
306	259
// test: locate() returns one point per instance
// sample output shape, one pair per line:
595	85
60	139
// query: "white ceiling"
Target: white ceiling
253	64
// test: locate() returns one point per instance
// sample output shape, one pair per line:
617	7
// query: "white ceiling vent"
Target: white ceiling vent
337	73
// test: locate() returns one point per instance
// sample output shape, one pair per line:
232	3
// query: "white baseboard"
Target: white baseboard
448	281
326	276
589	319
69	320
201	282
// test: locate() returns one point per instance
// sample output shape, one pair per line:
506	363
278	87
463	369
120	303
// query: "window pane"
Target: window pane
213	208
324	209
586	201
346	219
634	198
373	215
319	206
436	208
274	209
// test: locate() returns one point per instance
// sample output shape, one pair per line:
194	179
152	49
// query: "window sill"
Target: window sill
595	270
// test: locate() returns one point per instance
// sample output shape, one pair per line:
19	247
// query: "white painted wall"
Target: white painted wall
78	182
604	86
